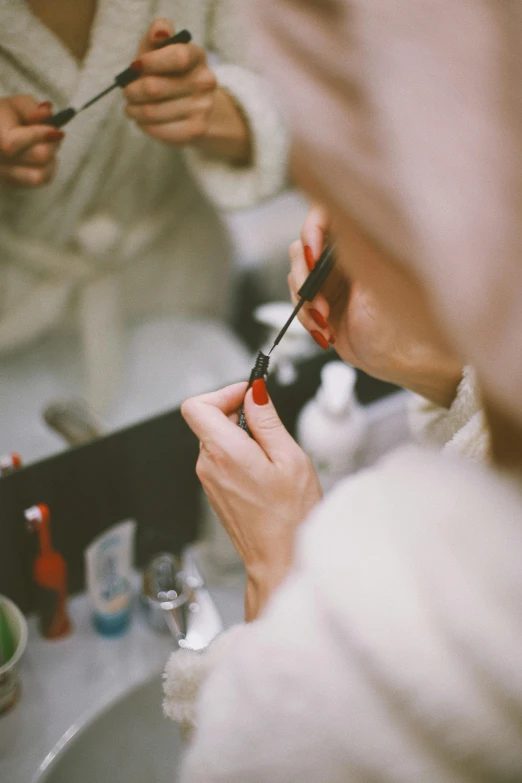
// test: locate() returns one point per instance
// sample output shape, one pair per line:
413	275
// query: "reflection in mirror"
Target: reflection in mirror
118	258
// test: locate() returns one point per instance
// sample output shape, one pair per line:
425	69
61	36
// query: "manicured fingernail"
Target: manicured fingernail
47	105
309	257
319	319
259	392
319	339
55	135
137	65
160	35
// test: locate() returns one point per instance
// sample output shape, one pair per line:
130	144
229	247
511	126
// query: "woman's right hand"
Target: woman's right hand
381	324
27	147
261	488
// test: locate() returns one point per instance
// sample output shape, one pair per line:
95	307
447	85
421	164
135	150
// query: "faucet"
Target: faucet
176	599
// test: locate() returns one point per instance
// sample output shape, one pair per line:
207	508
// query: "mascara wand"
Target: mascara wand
120	80
309	289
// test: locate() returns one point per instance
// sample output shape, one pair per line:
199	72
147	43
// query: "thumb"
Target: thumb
158	32
264	423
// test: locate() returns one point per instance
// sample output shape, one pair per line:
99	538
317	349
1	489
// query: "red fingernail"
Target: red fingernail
55	135
319	319
160	35
259	392
320	340
47	105
309	257
137	65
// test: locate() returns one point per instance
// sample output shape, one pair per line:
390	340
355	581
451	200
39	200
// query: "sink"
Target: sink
129	742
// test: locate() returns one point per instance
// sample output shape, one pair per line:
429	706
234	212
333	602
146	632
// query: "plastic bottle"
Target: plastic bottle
50	577
332	425
108	565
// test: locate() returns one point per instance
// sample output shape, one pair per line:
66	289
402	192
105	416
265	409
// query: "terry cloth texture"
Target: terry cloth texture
129	226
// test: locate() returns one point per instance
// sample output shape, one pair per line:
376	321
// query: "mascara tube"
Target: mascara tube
260	371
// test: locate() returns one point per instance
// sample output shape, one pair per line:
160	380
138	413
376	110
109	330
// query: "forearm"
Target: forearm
228	134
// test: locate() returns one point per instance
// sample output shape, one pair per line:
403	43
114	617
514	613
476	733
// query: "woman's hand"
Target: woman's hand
27	148
261	488
177	99
381	322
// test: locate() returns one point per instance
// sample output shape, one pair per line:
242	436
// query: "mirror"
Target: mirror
118	230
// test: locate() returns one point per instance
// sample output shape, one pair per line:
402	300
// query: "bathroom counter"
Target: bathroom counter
65	682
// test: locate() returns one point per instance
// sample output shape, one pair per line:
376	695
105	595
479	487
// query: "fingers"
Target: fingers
27	176
266	426
27	151
176	59
154	113
314	315
314	232
158	32
207	412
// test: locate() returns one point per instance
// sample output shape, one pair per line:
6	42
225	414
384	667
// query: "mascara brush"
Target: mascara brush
120	80
307	292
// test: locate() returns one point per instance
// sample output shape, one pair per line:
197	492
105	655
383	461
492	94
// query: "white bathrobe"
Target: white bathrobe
391	652
128	226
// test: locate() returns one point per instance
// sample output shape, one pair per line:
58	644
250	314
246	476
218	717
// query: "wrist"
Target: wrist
228	133
262	582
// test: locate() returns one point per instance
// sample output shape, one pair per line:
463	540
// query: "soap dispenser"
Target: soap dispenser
332	425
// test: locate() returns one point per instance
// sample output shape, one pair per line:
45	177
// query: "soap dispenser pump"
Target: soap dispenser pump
332	425
50	577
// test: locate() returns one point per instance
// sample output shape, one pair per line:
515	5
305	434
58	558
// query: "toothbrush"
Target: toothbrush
120	80
50	576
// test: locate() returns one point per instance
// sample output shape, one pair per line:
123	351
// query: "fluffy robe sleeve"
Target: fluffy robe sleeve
231	186
461	429
391	652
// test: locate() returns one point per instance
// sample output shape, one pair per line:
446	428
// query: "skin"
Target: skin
263	488
176	101
377	313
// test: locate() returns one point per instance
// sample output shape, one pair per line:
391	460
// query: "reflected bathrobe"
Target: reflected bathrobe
129	226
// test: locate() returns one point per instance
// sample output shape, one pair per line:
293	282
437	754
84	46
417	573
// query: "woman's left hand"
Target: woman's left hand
177	99
261	488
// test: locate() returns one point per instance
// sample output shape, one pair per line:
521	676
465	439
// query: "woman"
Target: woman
386	635
126	224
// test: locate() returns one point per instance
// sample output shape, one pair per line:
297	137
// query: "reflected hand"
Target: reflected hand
381	323
27	148
261	488
174	98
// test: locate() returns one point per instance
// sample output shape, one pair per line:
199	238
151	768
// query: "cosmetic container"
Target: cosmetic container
108	566
50	577
332	425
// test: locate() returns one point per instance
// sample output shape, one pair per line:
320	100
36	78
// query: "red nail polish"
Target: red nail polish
259	392
160	35
319	319
55	135
309	257
137	65
319	339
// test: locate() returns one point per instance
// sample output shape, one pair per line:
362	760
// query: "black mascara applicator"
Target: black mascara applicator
307	292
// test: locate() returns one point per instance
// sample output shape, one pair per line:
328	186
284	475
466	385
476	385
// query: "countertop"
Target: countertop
67	681
64	682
